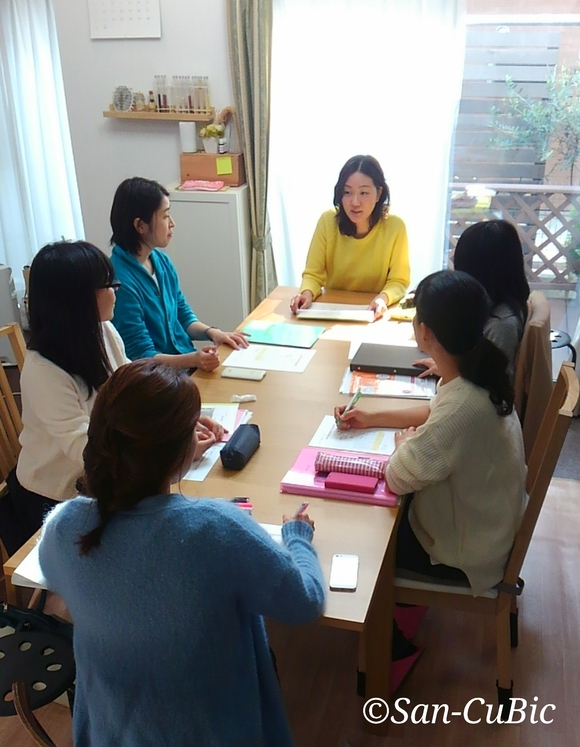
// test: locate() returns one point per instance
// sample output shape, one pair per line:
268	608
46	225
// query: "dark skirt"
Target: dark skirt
21	514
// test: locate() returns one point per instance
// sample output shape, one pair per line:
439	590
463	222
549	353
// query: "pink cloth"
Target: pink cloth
202	185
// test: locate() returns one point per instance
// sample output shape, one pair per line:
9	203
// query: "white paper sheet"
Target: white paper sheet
339	312
222	412
271	358
28	573
274	530
368	440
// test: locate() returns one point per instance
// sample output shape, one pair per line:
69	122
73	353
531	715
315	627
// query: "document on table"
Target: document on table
28	573
387	385
199	470
274	530
281	333
271	358
223	413
367	440
337	312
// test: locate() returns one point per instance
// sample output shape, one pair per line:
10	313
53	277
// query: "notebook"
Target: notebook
280	333
390	359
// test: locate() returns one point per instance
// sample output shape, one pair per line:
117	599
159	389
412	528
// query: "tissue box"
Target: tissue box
225	167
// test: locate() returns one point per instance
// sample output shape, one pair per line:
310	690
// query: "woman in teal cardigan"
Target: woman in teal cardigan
151	313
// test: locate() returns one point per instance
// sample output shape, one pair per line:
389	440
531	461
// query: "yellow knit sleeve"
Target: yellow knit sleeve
314	276
399	274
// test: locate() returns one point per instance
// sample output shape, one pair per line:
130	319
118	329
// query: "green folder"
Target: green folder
279	333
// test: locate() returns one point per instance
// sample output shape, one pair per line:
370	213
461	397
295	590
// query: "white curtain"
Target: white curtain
39	196
381	77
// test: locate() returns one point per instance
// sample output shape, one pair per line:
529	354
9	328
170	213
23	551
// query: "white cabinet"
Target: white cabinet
210	249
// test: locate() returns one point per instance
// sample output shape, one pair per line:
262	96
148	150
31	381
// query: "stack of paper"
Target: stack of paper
336	312
271	358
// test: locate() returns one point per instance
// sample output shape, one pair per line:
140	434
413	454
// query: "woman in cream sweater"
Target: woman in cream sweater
462	455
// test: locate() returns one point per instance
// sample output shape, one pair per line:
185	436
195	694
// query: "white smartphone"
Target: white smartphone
344	572
252	374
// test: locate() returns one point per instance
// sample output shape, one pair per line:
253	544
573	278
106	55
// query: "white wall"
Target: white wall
106	151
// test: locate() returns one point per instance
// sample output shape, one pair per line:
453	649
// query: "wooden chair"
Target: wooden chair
501	601
10	426
533	369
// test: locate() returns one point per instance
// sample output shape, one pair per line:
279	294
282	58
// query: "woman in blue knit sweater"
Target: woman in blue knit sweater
166	593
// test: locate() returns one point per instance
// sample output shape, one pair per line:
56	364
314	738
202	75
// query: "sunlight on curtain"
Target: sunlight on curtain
40	201
363	76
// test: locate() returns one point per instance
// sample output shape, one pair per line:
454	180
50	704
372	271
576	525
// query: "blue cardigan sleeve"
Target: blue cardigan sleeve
129	321
185	315
285	584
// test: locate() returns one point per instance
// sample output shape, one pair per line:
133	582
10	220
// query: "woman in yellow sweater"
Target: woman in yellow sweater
358	246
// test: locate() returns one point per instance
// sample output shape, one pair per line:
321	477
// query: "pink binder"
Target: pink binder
304	480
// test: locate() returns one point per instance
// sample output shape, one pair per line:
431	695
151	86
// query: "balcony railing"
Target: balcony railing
548	219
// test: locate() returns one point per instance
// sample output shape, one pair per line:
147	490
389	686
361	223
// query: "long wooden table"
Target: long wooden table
288	410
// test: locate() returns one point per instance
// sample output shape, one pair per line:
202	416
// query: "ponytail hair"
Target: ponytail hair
456	307
141	433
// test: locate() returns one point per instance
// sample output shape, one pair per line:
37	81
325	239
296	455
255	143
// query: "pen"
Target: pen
301	509
353	400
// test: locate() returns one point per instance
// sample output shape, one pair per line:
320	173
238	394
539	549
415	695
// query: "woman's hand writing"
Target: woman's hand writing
301	517
205	440
301	301
354	418
212	426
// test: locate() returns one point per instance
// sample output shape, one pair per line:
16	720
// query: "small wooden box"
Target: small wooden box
213	167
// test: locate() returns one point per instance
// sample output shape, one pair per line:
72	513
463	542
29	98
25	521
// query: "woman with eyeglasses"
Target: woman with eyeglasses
73	348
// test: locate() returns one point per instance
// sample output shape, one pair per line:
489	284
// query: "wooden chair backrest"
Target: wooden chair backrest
541	465
10	421
533	369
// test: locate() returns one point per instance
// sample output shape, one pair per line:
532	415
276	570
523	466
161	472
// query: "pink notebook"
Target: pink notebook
304	480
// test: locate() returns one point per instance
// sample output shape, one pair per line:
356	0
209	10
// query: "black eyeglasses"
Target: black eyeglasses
115	286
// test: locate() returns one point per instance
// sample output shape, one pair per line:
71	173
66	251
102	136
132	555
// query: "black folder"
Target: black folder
387	359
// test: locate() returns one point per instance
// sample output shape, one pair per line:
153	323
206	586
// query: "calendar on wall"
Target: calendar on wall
124	19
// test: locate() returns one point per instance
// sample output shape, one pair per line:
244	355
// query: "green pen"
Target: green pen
353	400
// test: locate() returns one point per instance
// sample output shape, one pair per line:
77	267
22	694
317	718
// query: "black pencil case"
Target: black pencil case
239	449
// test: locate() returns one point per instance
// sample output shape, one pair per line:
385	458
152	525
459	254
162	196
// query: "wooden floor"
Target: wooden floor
317	664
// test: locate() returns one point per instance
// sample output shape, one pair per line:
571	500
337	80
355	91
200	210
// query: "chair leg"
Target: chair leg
514	613
504	682
504	699
27	717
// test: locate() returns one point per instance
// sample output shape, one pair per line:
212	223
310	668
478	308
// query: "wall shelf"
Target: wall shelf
205	117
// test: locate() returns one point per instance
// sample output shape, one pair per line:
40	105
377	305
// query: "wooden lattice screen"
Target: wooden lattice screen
528	55
548	221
